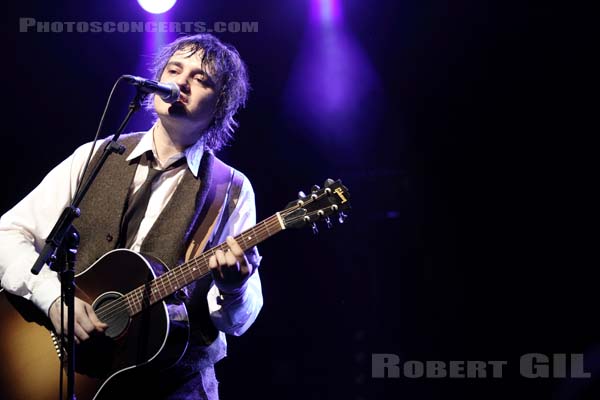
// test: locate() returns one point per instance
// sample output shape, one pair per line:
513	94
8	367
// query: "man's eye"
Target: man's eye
204	82
172	71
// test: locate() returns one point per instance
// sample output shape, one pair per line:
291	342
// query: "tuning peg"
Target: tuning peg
342	217
301	195
315	229
328	222
328	183
314	191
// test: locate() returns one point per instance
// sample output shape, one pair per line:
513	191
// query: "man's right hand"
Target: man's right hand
86	320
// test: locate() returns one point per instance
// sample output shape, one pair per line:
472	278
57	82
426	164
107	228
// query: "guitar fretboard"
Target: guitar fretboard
196	268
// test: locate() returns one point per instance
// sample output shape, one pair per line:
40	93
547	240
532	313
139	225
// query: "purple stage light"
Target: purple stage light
325	11
157	6
333	87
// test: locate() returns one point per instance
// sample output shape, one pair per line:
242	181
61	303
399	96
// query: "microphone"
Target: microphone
169	91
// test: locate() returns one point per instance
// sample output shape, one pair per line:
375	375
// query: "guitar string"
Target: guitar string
198	261
118	306
181	270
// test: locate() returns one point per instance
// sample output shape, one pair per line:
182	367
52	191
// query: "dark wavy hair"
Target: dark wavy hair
222	61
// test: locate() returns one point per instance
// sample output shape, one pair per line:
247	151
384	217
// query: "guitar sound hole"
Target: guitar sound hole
111	308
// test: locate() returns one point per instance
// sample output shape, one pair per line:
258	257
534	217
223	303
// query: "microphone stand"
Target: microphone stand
60	254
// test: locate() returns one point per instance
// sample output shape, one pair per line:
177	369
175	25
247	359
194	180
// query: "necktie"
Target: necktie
138	202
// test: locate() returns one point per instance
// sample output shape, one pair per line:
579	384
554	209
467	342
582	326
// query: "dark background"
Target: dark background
468	172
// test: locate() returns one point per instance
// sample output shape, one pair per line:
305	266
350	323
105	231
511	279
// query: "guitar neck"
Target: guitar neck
197	268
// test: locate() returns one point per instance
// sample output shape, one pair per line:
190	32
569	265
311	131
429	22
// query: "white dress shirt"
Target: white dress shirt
24	228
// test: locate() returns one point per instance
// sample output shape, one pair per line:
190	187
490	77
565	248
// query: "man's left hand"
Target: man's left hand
230	269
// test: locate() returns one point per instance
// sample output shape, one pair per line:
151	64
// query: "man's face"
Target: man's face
196	106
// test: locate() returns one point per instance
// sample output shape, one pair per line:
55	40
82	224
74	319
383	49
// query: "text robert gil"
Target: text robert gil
531	365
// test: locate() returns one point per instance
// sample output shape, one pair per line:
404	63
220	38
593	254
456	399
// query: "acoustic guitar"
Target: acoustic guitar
129	291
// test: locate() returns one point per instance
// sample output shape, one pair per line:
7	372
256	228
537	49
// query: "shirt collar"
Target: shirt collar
193	153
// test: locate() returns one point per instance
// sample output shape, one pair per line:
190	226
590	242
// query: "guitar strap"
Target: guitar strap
221	199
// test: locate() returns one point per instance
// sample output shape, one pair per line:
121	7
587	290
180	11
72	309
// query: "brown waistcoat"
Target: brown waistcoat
102	210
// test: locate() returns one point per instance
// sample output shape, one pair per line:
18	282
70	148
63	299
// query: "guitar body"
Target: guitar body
149	339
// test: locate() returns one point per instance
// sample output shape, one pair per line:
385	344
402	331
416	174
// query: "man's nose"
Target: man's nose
183	83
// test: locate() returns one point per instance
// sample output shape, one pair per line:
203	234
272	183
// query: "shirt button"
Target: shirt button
109	237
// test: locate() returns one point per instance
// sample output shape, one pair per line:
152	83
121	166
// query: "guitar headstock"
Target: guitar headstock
320	204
